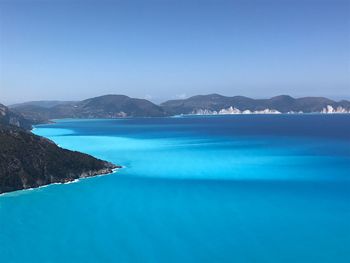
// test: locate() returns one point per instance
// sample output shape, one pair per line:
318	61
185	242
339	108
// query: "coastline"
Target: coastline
71	176
258	114
53	121
114	170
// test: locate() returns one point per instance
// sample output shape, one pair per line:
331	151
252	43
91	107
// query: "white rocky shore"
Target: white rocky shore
233	110
330	109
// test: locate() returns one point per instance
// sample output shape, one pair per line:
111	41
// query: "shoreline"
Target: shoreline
109	168
53	121
114	170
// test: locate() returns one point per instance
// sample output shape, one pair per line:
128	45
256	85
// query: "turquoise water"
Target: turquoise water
194	189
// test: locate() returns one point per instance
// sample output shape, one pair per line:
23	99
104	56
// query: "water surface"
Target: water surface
257	188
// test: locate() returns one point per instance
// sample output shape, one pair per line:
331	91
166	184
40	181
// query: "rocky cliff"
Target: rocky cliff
8	117
28	161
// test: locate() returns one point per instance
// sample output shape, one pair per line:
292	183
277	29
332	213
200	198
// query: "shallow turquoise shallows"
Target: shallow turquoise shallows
246	188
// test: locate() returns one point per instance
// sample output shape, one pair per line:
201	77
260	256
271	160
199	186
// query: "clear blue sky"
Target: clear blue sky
165	49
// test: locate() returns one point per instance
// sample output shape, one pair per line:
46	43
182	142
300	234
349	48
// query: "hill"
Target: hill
283	104
108	106
41	103
115	106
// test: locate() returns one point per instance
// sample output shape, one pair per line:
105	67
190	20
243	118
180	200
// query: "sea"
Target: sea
238	188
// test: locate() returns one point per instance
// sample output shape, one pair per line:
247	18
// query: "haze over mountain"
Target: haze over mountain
41	103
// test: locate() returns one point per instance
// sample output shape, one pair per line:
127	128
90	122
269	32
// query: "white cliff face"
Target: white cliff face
329	110
204	112
267	111
122	114
232	110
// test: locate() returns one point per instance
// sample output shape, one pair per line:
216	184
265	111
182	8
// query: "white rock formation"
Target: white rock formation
267	111
204	112
232	110
330	110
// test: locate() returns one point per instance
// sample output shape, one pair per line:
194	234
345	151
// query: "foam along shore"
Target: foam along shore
113	171
33	161
233	110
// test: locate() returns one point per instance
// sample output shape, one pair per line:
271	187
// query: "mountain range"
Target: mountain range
282	104
27	160
108	106
114	106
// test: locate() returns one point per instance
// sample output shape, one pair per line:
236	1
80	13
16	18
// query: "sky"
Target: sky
167	49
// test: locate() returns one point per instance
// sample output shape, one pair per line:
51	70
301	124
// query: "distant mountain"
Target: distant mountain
114	106
108	106
117	106
41	103
34	113
28	161
283	104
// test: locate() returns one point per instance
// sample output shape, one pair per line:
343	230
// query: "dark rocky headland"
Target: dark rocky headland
28	160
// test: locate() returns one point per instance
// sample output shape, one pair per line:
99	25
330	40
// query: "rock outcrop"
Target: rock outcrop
8	117
28	161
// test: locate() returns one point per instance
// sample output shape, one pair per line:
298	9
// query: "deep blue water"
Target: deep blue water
246	188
